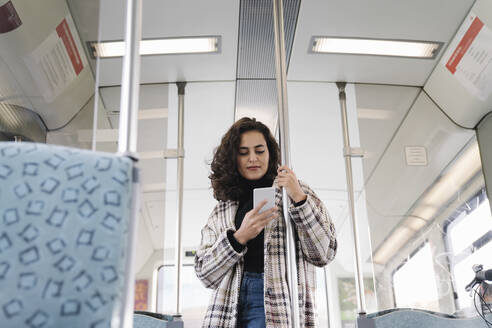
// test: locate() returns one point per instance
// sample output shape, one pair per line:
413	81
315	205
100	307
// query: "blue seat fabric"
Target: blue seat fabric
145	321
64	216
410	318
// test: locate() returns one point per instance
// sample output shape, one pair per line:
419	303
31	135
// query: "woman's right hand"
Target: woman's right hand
254	222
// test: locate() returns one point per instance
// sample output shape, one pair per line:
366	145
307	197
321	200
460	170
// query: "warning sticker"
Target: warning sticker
469	57
66	36
57	61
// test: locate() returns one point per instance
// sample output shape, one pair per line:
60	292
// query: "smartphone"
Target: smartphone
261	194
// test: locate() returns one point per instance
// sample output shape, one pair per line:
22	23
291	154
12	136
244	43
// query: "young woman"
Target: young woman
242	252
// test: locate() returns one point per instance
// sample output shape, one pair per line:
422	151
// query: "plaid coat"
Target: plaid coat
220	267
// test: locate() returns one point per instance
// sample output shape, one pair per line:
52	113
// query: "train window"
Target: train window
470	227
469	242
194	296
414	281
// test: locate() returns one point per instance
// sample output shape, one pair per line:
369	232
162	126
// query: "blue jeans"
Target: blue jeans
251	303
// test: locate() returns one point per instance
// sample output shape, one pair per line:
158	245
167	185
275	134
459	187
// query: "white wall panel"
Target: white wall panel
209	112
395	186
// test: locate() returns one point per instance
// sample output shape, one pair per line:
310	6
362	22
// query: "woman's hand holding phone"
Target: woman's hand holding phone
254	222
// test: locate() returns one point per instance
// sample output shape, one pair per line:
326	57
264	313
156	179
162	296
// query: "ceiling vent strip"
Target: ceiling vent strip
256	46
257	94
256	90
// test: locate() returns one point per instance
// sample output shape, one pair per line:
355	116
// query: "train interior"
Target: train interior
419	126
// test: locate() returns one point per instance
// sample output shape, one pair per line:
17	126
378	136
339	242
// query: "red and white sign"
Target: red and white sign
57	61
64	33
469	57
464	44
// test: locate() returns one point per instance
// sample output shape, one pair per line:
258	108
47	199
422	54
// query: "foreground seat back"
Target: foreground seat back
64	216
144	319
411	318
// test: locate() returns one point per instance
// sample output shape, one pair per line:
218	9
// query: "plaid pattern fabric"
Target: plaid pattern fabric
220	267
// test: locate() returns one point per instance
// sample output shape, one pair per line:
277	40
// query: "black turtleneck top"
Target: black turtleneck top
254	257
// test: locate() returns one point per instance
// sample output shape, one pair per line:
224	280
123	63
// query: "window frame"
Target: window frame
460	214
155	297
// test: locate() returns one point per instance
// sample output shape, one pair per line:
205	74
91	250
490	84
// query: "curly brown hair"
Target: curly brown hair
225	176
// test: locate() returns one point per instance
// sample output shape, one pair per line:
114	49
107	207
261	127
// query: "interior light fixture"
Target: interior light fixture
375	47
189	45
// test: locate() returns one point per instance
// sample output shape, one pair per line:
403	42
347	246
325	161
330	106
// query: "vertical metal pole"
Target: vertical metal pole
127	138
281	72
127	144
96	90
328	314
361	301
179	192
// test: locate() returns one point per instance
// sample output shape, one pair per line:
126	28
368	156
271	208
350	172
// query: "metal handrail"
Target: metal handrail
281	72
179	187
130	81
127	145
347	153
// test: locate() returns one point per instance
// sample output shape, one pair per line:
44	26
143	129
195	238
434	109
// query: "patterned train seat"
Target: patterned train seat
64	217
411	318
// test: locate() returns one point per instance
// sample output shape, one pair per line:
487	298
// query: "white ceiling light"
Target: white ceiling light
354	46
191	45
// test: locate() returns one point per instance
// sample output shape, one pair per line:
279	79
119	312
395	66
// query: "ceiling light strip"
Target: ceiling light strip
191	45
375	47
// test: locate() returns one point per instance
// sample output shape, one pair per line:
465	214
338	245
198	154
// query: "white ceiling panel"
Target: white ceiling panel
415	20
173	19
